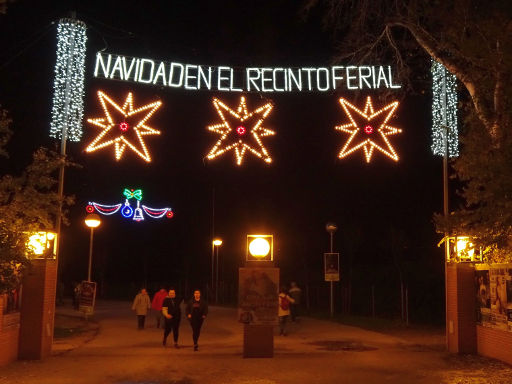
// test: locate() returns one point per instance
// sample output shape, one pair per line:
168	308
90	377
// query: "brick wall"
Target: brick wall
494	343
9	335
460	308
37	310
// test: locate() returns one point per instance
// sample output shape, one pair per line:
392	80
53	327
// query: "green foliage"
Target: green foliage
28	202
486	172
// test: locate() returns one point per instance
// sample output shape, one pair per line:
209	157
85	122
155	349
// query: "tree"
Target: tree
472	39
28	203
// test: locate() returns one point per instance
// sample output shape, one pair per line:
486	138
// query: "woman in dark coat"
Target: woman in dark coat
196	310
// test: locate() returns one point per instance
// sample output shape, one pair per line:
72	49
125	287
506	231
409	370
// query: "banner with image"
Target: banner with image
494	295
258	296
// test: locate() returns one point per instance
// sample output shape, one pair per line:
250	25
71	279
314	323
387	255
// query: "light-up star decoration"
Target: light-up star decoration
129	212
240	131
368	129
123	127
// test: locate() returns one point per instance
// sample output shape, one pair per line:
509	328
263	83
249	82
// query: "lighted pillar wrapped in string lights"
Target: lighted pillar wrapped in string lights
445	143
68	99
445	136
445	140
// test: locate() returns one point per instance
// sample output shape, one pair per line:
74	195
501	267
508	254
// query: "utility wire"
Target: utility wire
45	31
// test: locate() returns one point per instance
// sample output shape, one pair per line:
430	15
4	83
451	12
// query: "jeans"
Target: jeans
172	325
282	324
196	328
140	321
294	311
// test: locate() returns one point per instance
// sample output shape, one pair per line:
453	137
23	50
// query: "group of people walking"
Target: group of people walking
289	302
167	310
167	307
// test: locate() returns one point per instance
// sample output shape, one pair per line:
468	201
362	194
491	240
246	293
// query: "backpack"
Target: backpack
284	303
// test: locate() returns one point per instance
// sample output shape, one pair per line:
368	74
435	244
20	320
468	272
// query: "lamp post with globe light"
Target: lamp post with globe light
92	220
215	247
331	228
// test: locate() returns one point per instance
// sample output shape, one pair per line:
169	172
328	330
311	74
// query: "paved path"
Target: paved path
312	353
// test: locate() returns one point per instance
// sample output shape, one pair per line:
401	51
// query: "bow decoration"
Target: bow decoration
136	194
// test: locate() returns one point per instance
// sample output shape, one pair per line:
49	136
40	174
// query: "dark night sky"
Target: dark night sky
293	198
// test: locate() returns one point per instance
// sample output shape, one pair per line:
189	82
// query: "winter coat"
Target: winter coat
295	293
141	304
172	307
197	309
158	299
281	311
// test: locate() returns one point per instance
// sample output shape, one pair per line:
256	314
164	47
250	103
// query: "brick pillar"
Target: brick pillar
37	310
460	308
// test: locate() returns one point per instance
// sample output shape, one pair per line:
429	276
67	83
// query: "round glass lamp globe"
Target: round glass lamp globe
217	242
92	220
259	247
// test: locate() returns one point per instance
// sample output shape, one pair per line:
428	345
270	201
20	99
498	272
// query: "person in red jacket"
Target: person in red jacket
156	304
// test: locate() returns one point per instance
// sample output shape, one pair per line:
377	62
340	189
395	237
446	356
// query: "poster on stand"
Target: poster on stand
258	291
332	266
87	297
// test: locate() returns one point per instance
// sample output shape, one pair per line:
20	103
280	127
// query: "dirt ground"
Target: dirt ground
111	350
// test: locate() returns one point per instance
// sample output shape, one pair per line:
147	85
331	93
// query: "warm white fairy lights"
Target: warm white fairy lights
368	129
68	98
240	131
444	111
123	127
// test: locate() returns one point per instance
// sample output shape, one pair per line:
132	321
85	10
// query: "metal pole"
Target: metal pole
373	300
90	255
445	206
406	306
213	267
332	283
217	276
63	140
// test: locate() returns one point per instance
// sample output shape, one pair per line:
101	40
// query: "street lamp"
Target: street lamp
42	244
260	248
216	243
92	220
331	228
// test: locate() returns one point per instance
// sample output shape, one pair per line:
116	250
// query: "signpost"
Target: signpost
332	266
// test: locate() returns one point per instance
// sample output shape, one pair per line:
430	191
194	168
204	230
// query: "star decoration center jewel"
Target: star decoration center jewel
368	129
123	126
240	131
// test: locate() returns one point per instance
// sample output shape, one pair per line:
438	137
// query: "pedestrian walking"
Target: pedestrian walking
171	312
295	293
141	305
76	295
196	310
156	305
283	310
